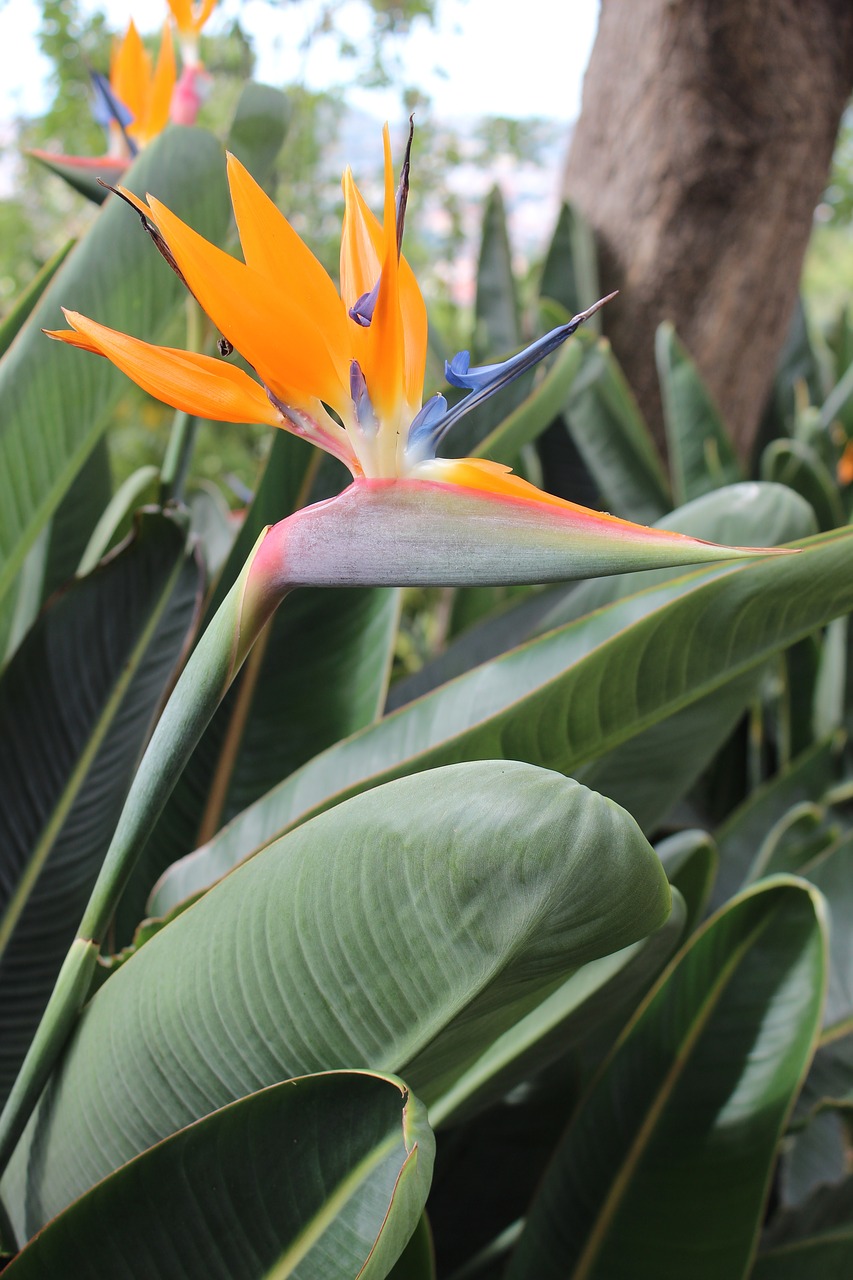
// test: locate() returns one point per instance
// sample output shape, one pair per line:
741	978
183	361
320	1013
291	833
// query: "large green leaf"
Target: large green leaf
56	401
570	271
258	128
742	515
666	1166
320	1178
76	704
655	769
690	861
741	835
14	321
613	440
496	306
832	873
600	993
794	463
701	452
76	518
401	932
568	697
814	1242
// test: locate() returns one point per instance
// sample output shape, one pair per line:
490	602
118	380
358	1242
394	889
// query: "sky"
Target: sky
473	62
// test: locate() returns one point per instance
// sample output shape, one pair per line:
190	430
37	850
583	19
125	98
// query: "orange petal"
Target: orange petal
73	339
182	13
198	384
190	18
362	243
130	75
276	334
162	87
138	204
273	249
496	477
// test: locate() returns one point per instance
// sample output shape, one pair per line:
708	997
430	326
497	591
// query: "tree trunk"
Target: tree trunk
703	145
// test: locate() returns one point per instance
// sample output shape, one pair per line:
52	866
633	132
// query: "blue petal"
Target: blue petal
423	431
106	107
484	380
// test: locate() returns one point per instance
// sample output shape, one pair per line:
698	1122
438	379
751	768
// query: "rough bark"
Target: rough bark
702	149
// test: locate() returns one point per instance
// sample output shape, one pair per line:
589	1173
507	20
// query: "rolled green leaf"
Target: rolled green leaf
676	1141
316	1178
402	931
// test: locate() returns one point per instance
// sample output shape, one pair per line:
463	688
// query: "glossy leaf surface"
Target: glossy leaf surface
568	697
400	932
702	456
71	731
676	1140
56	401
315	1179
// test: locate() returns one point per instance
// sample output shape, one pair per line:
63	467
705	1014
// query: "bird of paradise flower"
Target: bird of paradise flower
139	98
345	370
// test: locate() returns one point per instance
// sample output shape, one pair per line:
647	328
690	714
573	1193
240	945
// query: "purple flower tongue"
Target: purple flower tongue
363	308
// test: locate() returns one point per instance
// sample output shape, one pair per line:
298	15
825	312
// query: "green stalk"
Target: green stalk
211	669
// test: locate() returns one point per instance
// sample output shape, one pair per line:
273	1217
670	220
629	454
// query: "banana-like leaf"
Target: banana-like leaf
23	305
740	837
812	1242
76	518
613	440
676	1140
315	1178
401	932
570	271
832	873
56	401
496	305
567	698
811	1157
701	453
56	555
259	127
794	840
601	992
117	513
417	1261
76	704
319	674
793	463
537	411
652	771
690	861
